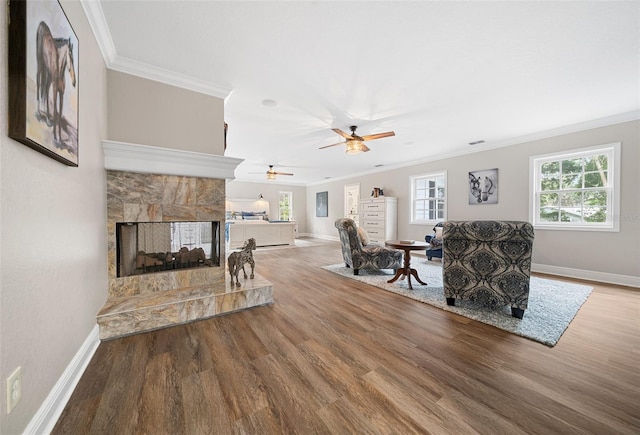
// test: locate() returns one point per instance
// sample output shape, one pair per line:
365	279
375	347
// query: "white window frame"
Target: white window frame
431	175
612	223
290	195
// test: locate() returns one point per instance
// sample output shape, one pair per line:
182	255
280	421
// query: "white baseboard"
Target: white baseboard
610	278
589	275
47	416
321	236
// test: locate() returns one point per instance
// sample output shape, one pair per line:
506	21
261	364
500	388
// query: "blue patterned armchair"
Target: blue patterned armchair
358	256
489	262
434	250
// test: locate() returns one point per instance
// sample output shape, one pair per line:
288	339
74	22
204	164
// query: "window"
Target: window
285	206
576	190
429	198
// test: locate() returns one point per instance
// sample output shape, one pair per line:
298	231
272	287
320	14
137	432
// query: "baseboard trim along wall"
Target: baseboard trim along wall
321	236
45	419
590	275
567	272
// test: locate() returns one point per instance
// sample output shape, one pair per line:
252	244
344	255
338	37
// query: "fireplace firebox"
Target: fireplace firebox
149	247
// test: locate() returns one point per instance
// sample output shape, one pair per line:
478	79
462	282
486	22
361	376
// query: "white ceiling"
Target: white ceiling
440	74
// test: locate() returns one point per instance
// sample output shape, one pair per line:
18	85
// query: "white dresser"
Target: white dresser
379	216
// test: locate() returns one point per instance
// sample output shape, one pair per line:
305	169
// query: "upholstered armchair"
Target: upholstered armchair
433	250
488	261
359	256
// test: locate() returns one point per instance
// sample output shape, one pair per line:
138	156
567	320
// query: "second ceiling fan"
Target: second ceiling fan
355	144
271	173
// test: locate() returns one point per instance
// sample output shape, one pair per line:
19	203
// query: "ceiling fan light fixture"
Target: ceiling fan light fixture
354	147
271	176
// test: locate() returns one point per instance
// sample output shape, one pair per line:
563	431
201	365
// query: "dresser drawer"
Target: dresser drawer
370	224
376	236
373	215
372	206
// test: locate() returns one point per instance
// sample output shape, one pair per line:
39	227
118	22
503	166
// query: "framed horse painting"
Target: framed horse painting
483	187
43	79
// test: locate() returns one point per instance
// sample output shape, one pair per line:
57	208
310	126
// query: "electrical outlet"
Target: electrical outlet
14	389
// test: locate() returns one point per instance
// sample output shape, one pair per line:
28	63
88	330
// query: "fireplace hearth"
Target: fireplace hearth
180	276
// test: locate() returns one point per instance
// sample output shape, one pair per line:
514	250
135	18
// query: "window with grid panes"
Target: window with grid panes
285	206
429	198
576	189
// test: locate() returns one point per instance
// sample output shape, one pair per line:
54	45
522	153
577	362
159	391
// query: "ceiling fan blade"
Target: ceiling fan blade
327	146
283	173
378	135
364	148
342	133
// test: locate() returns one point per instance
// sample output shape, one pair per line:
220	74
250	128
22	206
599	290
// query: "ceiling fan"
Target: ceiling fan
271	173
355	143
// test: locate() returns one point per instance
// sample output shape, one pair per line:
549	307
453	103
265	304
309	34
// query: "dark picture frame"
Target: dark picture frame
322	204
483	187
44	56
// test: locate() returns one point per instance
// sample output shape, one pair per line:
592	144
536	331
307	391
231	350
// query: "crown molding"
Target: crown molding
271	182
98	23
122	156
567	129
95	16
573	128
150	72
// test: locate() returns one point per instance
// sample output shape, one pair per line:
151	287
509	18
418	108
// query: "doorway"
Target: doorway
352	201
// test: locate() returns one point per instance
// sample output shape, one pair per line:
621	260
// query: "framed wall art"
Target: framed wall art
483	187
43	79
322	204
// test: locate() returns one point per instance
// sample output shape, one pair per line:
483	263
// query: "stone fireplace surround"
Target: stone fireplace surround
151	184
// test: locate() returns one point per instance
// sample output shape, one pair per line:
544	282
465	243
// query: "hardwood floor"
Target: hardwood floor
332	355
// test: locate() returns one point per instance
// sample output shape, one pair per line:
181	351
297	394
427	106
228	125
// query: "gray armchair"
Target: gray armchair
358	256
488	261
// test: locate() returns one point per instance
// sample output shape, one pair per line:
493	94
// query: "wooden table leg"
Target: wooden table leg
408	271
398	273
415	274
409	280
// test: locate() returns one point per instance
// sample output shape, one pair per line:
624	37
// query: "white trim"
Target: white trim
567	272
412	189
613	150
290	195
573	128
320	236
45	419
121	156
590	275
567	129
100	29
272	183
150	72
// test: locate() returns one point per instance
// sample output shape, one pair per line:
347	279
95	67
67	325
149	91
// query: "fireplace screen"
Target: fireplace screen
146	247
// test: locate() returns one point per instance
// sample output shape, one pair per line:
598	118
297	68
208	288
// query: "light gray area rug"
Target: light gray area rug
552	304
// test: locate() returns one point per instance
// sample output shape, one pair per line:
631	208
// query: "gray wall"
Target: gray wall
53	252
270	191
606	252
147	112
